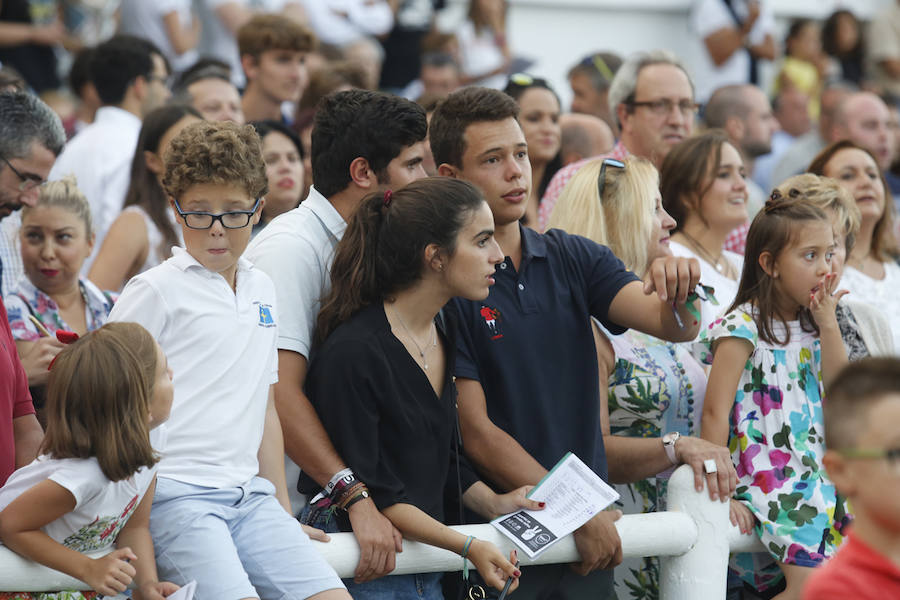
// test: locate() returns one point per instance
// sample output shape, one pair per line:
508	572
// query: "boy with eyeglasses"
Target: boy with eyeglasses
863	460
220	513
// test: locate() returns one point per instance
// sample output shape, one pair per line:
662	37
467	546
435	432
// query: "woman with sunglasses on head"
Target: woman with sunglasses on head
539	110
872	273
655	387
704	188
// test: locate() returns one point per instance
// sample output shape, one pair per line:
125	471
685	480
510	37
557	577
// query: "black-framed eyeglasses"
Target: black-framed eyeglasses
27	181
664	106
892	455
233	219
601	179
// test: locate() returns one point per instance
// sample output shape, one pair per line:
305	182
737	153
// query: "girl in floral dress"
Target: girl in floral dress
771	356
91	488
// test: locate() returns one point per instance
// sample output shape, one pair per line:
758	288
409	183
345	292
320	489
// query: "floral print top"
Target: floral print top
777	441
26	299
656	387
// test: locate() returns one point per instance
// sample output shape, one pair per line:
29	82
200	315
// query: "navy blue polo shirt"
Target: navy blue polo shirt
529	344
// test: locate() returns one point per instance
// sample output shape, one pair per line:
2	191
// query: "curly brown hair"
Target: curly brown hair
219	153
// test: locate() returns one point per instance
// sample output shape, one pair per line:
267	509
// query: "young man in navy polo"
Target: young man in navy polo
527	366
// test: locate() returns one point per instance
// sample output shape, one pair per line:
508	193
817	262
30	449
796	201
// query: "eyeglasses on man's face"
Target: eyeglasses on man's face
233	219
664	106
27	181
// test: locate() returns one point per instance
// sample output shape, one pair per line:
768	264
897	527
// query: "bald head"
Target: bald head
792	111
584	136
864	119
744	112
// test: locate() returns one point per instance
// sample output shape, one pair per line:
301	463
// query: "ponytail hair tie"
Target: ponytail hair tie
388	196
777	200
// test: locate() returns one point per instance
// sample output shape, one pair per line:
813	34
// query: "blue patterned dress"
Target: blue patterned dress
777	443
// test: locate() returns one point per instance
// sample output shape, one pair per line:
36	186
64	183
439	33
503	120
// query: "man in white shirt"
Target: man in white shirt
731	35
130	75
362	141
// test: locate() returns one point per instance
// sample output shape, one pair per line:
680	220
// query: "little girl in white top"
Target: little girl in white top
92	485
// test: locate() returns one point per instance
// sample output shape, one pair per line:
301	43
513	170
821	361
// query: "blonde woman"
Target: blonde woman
655	388
56	238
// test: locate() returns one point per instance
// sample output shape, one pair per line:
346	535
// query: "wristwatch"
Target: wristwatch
668	441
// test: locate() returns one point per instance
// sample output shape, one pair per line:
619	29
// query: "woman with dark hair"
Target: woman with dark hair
872	273
392	416
703	186
539	110
142	236
843	42
283	155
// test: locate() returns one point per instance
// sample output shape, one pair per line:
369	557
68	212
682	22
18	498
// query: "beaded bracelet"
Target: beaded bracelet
349	493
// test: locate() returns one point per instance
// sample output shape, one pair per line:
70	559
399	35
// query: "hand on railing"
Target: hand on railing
598	543
720	476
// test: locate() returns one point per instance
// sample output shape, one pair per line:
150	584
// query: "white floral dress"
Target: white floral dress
777	442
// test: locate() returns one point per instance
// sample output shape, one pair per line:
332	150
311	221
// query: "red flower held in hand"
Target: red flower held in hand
66	337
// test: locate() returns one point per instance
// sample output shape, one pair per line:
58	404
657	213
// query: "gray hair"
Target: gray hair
624	83
24	119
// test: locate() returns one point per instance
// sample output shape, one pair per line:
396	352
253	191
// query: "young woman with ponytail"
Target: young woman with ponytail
381	371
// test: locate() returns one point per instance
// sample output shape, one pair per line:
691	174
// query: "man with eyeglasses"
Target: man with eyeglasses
131	78
31	136
652	98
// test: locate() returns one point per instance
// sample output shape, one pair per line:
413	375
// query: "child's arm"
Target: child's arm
823	306
271	462
20	530
136	535
730	356
415	524
271	453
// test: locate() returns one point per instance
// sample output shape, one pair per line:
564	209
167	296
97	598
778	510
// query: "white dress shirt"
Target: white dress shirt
100	158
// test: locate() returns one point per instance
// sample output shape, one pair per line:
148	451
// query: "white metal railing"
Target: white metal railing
693	539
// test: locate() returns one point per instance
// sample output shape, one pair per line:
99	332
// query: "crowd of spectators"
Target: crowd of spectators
412	197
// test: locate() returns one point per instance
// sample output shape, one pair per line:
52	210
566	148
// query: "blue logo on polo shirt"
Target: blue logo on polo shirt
265	316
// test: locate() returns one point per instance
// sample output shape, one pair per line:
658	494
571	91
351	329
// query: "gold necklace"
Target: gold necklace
428	347
725	269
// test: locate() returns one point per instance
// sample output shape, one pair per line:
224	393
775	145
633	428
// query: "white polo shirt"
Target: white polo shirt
296	250
220	345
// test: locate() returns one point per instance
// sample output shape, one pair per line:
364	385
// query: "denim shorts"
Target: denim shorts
235	542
